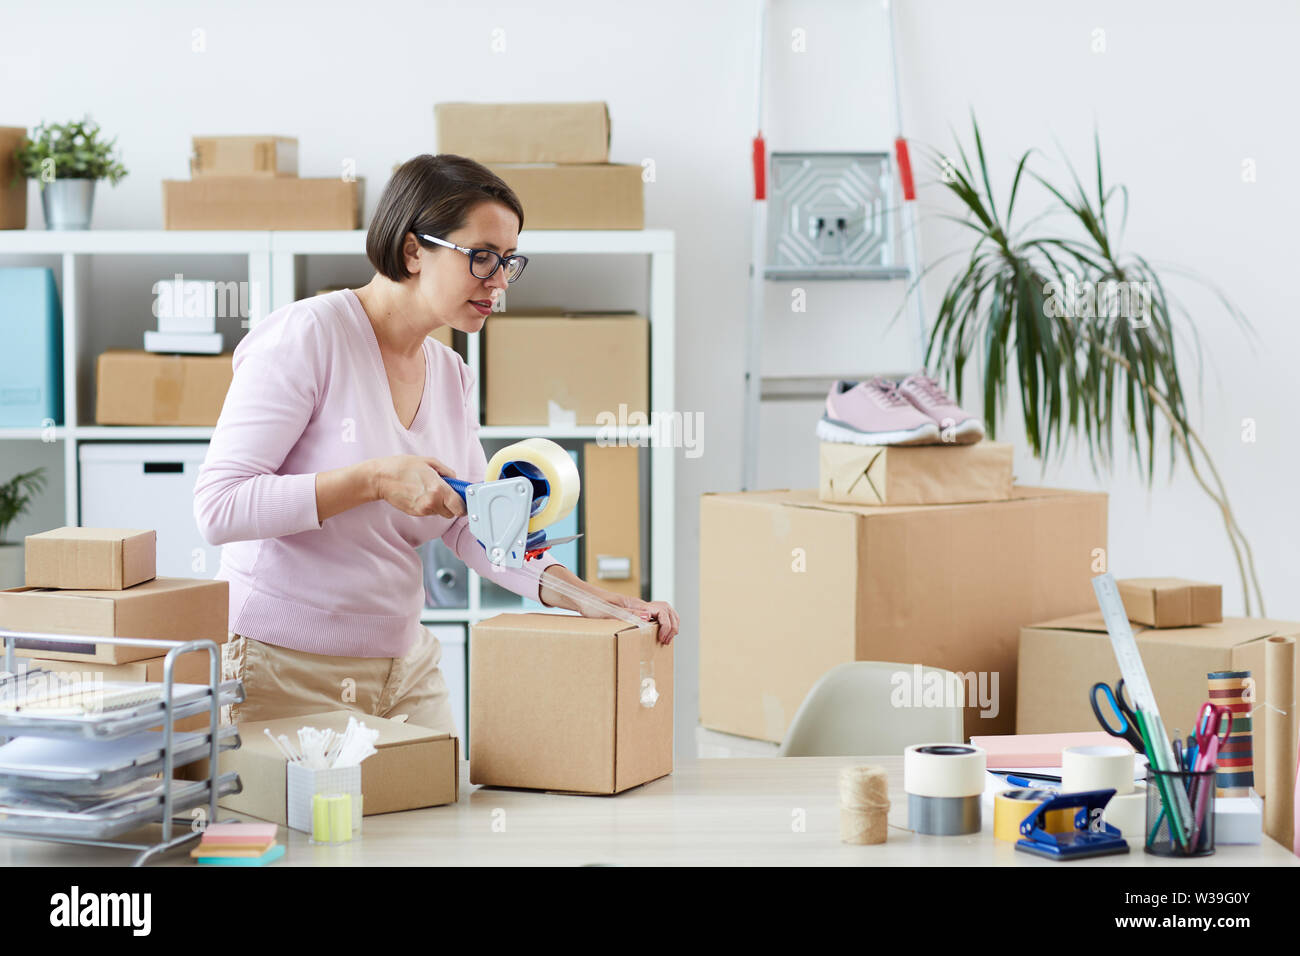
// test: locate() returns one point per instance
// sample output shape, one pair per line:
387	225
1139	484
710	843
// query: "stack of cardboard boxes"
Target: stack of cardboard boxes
100	582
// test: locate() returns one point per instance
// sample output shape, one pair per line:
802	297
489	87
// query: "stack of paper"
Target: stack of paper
238	844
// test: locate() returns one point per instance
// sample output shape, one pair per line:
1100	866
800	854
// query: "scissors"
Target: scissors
1213	726
1119	706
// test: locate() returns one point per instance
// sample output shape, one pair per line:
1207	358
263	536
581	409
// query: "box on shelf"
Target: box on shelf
560	702
547	367
524	132
611	503
915	474
134	387
270	202
1171	602
244	156
166	609
13	195
791	586
414	767
1061	659
31	362
595	196
91	558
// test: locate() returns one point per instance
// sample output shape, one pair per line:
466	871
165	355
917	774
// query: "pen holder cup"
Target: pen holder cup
303	785
1163	786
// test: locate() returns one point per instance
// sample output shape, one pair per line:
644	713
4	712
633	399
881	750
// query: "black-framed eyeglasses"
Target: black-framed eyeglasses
484	263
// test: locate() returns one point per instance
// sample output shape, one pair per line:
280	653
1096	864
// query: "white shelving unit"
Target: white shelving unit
273	261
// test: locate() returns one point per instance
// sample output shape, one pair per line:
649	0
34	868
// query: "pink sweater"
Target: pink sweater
310	394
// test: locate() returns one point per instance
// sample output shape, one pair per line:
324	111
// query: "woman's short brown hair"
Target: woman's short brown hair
432	194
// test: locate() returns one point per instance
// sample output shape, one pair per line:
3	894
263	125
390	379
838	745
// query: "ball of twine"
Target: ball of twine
864	805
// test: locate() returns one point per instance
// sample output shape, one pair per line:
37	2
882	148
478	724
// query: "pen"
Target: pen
1023	778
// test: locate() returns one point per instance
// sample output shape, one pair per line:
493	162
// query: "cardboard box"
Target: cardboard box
91	558
597	196
261	202
167	609
134	387
414	767
190	668
1061	659
13	195
611	503
555	703
915	474
244	156
1171	602
565	368
524	132
791	586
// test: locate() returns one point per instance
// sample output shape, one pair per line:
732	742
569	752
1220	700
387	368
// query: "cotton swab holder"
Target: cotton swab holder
303	785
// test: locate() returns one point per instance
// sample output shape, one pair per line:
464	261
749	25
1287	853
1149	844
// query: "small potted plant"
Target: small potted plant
15	497
67	159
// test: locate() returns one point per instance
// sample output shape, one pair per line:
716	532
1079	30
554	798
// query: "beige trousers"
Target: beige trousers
279	682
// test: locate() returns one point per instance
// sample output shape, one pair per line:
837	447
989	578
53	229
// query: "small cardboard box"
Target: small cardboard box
108	559
915	474
134	387
166	609
414	767
558	702
13	195
1061	659
944	586
1171	602
595	196
261	202
565	368
611	513
244	156
524	132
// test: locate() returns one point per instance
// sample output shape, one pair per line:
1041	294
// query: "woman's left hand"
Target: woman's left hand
660	611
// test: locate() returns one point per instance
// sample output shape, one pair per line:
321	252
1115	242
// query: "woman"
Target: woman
325	471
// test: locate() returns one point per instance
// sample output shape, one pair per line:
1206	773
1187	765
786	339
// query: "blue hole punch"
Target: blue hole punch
1091	835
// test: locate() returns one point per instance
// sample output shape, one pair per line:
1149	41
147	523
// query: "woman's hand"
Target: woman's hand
413	485
659	611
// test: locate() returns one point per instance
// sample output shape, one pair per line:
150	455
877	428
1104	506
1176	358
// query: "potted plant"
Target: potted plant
15	497
1086	330
67	159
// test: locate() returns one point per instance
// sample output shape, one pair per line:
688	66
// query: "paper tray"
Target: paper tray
111	724
113	818
81	768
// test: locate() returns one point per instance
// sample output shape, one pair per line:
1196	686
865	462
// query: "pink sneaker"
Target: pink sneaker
874	413
955	425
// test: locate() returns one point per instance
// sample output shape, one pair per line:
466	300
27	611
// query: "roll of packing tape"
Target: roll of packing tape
944	784
545	462
1010	807
1127	812
1097	768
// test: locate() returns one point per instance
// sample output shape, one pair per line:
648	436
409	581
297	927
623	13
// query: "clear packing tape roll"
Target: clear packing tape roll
540	460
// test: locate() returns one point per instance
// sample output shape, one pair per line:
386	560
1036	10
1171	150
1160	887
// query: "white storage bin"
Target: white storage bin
452	638
126	485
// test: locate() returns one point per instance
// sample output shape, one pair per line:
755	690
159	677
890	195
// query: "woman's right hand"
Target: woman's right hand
413	485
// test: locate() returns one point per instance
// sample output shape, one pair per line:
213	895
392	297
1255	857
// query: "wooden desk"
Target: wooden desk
742	811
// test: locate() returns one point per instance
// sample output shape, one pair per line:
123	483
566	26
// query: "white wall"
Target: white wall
1184	92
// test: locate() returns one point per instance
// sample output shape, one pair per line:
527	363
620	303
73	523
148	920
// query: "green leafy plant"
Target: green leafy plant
1025	308
76	152
16	496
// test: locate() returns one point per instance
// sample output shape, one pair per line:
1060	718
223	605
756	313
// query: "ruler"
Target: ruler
1134	673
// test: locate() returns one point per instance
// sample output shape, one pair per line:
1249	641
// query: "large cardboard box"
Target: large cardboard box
167	609
90	558
611	506
13	195
564	368
916	474
558	702
595	196
791	586
1171	602
1061	659
244	156
134	387
261	202
413	768
524	132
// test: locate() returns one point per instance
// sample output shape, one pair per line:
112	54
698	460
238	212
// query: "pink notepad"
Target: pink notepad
239	833
1040	750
